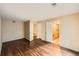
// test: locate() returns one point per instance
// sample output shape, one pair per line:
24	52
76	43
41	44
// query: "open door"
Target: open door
55	33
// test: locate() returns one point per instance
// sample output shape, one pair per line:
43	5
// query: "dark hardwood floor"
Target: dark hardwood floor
38	47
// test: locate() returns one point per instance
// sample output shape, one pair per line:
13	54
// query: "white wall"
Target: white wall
35	31
0	36
69	31
69	26
28	30
12	31
31	30
38	27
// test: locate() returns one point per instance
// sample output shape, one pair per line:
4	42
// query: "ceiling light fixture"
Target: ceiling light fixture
53	4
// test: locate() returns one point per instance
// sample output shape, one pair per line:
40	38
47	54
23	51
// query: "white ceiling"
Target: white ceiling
37	11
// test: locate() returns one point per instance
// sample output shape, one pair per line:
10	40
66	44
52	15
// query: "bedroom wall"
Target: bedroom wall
69	31
12	30
31	30
27	30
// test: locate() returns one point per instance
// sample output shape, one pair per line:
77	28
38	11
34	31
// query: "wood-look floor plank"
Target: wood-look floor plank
38	47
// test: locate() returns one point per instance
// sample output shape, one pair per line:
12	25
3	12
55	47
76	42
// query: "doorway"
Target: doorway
56	32
35	31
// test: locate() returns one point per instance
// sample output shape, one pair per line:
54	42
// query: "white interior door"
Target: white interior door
49	32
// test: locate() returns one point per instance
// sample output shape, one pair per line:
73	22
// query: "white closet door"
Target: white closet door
49	32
